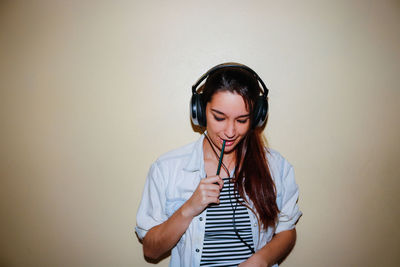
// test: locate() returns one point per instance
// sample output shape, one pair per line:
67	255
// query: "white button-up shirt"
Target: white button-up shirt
174	177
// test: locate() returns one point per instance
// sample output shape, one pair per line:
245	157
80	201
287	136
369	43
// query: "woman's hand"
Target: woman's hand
163	237
279	247
254	261
207	192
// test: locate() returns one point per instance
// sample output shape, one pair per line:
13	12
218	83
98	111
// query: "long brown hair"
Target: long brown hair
252	174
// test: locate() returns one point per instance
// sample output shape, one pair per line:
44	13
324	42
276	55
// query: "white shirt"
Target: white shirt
174	177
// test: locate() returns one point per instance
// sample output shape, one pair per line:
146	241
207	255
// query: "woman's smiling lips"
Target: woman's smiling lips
228	142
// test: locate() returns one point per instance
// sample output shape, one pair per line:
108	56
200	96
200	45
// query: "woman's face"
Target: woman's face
227	119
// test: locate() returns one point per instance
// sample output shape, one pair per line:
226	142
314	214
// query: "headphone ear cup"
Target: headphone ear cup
197	112
260	112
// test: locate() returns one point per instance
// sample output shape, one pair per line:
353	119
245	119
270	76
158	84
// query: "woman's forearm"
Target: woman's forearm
163	237
279	247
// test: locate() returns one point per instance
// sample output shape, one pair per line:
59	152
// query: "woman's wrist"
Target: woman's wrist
262	257
186	212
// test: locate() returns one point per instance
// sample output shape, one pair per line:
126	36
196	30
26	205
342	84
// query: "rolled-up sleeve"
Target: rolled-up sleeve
289	213
151	210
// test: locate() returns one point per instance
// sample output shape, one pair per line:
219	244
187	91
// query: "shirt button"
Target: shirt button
197	250
255	225
201	218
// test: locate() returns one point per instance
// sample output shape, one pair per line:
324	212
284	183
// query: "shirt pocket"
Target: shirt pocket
179	192
173	205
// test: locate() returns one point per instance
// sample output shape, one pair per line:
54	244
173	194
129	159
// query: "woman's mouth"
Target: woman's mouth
228	142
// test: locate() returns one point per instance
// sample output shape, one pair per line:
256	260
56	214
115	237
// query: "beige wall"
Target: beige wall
92	92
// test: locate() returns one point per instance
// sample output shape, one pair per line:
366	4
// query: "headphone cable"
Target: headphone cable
220	163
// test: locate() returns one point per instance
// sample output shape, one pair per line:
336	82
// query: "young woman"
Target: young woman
238	209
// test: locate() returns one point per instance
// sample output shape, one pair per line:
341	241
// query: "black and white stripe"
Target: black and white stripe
222	245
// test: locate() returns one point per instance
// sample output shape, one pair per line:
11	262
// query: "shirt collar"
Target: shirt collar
196	160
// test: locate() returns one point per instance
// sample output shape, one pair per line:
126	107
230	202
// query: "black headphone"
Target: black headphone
197	107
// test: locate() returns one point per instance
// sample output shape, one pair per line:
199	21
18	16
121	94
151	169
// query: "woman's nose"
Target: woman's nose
230	130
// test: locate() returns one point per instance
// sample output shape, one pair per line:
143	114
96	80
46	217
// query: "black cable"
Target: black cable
234	220
230	198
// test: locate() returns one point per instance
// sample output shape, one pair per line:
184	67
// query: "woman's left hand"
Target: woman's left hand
254	261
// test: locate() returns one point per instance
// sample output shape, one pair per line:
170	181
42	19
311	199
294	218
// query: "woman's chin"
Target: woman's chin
229	150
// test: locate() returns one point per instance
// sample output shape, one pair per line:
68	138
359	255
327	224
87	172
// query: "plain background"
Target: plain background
92	92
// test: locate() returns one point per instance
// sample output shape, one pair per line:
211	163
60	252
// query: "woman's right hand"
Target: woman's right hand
207	192
163	237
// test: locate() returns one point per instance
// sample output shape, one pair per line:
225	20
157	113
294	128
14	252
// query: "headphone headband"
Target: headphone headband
230	65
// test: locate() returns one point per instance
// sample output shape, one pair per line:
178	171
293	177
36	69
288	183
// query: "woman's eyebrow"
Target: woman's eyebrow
221	113
244	115
217	111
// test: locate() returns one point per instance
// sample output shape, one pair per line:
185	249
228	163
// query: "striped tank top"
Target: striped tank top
228	239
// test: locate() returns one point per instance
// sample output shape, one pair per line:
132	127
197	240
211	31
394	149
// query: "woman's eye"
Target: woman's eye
218	118
242	121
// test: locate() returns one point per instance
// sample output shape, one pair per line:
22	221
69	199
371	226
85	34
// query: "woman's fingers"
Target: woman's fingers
207	192
210	188
214	179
